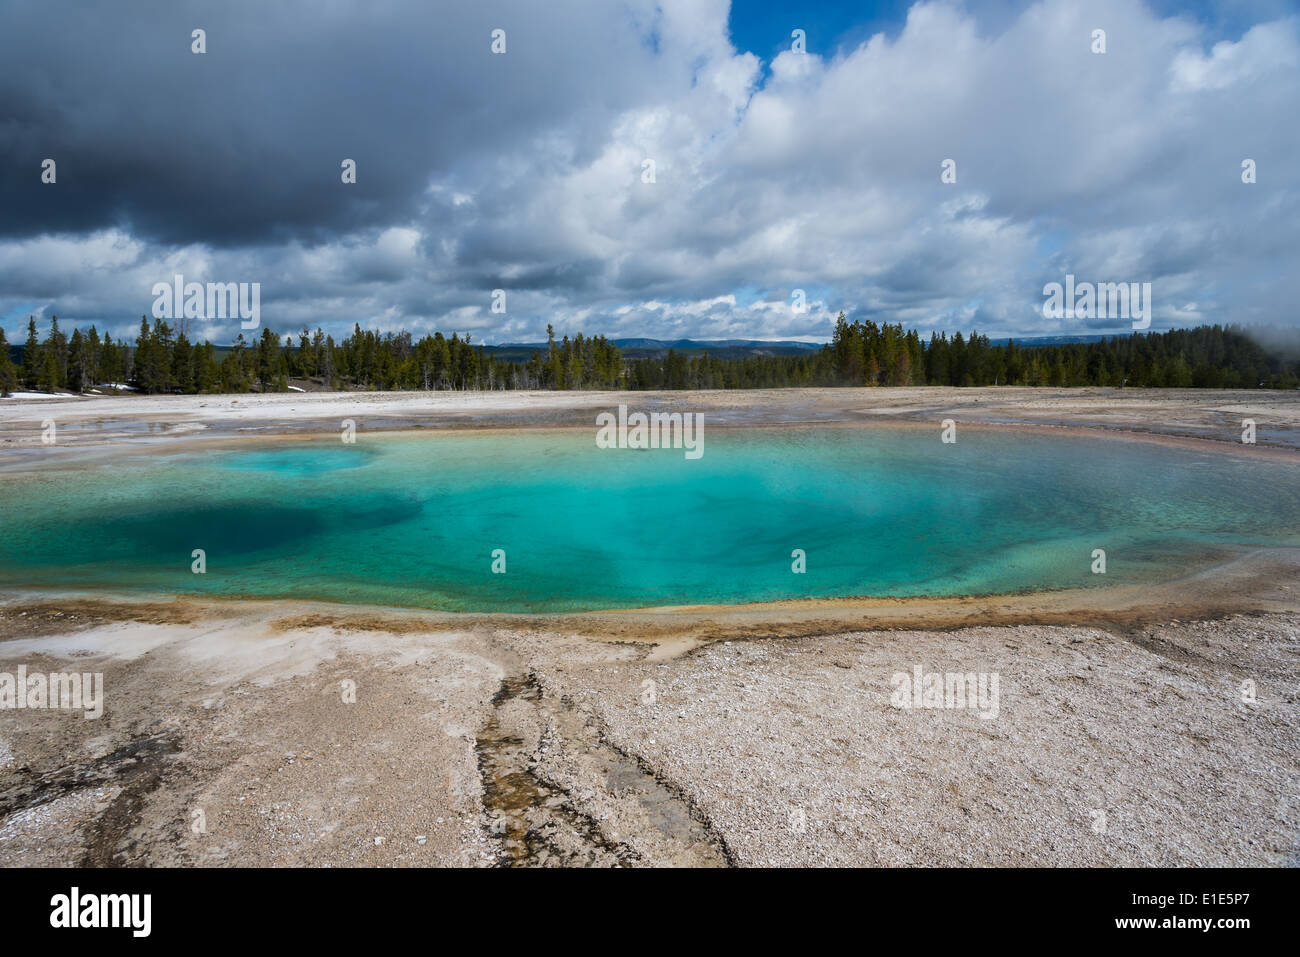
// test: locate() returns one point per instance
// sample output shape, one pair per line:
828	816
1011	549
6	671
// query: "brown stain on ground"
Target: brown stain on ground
1254	582
33	619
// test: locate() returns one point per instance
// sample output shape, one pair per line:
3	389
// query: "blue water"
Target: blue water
414	520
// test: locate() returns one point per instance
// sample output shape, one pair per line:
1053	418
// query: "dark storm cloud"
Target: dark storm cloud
526	171
244	143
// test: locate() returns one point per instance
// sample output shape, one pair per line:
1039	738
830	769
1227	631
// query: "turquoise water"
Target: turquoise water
413	520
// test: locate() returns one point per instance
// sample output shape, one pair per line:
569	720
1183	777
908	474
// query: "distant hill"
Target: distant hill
1030	342
643	348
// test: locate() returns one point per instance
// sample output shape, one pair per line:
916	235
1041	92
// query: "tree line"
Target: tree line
861	353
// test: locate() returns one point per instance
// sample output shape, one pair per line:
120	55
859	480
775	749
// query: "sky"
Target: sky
788	185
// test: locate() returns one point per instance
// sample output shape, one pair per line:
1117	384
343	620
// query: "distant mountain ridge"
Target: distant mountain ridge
642	347
718	344
1030	341
642	342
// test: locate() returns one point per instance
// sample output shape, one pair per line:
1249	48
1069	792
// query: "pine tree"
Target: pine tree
56	348
94	355
48	381
32	365
8	376
112	364
77	363
145	371
182	364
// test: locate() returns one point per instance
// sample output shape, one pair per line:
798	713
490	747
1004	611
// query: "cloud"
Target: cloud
528	171
1267	48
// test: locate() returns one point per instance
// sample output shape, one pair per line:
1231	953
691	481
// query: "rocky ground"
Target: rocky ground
1199	414
1146	726
230	737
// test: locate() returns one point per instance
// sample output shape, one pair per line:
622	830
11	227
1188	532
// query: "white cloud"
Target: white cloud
1264	49
825	176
